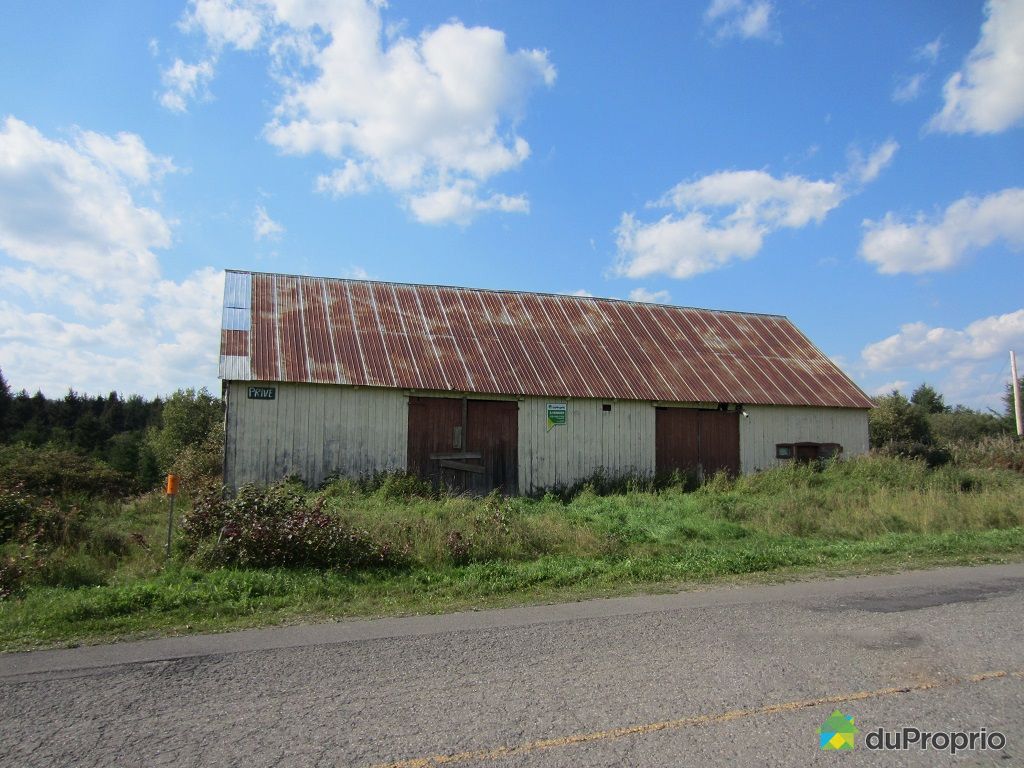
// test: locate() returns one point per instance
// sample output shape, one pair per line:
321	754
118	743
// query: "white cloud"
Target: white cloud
701	237
889	386
226	22
929	52
125	154
264	226
964	364
987	94
82	300
866	169
926	348
431	118
356	272
583	292
184	82
459	203
350	179
725	216
69	209
966	226
747	19
649	296
908	88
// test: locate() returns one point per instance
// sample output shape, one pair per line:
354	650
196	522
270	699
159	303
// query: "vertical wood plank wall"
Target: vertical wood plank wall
619	442
313	431
768	425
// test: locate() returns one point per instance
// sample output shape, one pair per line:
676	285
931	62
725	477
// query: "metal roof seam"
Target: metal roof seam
433	344
540	343
405	335
584	346
607	353
355	333
380	329
439	338
476	339
330	334
584	390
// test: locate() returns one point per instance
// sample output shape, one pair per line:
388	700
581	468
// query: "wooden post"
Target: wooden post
1016	394
172	491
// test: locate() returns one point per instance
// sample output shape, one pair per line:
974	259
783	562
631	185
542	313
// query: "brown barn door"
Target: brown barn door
691	440
675	440
720	442
465	445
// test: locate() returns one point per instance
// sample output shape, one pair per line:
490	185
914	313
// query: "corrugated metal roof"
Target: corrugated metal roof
429	337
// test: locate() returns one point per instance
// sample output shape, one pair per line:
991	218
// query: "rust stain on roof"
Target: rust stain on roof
426	337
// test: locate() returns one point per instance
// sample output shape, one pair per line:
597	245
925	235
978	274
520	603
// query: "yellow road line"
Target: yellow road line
497	753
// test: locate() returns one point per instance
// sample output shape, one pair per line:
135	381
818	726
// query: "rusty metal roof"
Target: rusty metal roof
440	338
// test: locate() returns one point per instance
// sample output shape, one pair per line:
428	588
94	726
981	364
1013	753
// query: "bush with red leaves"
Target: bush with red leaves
275	526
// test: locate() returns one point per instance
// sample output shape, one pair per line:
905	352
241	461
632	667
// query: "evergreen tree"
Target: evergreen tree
6	406
928	399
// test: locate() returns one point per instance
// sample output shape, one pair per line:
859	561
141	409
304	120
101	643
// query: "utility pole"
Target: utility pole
1016	394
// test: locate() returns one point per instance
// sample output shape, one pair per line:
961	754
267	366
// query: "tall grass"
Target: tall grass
449	550
996	452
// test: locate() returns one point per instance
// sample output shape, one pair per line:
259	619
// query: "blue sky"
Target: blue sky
858	167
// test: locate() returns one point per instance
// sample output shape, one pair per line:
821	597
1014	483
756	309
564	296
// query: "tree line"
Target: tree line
925	419
143	439
138	437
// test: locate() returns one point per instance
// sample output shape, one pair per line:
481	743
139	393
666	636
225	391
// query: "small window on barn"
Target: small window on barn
606	407
784	451
830	451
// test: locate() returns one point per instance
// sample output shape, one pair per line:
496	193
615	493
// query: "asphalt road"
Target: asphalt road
724	676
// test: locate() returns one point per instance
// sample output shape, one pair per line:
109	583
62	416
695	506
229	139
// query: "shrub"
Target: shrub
394	486
932	455
1003	452
188	419
894	419
15	510
962	425
275	526
53	524
50	471
203	462
38	521
12	574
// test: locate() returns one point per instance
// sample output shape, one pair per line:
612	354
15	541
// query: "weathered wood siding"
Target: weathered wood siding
768	425
617	442
313	431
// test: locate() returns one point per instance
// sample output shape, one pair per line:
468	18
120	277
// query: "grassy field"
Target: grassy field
102	575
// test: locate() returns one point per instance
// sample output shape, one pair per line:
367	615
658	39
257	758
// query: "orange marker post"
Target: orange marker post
172	491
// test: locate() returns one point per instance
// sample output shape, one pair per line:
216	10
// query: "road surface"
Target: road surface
723	676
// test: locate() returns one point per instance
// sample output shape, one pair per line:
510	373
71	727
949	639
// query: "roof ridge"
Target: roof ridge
509	290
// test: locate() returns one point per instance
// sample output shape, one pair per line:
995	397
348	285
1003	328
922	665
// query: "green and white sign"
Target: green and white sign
556	414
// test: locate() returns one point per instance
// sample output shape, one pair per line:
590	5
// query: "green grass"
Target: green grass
857	516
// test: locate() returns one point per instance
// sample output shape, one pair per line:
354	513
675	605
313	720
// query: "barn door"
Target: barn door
720	442
691	440
675	440
465	445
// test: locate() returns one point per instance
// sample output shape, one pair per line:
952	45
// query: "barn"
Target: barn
484	389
